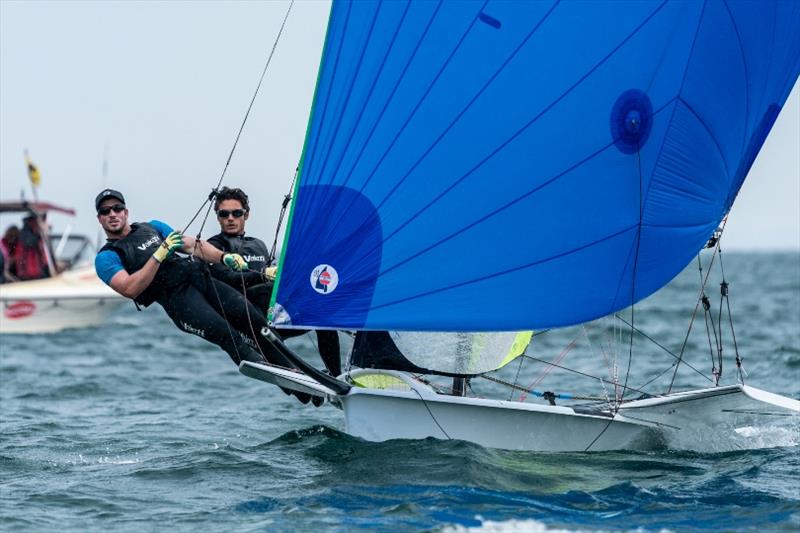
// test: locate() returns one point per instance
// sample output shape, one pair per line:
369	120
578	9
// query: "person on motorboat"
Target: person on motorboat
232	207
30	257
8	245
139	261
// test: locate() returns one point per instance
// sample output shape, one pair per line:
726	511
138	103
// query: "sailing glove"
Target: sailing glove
270	272
234	261
174	241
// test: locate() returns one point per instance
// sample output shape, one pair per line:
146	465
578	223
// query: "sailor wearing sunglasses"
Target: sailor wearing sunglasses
233	209
139	261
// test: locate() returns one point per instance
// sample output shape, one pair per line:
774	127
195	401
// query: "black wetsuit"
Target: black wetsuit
196	302
259	290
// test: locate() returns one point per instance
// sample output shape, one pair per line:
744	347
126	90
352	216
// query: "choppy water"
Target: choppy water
136	426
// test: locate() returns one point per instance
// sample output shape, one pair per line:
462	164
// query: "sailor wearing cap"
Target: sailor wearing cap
139	261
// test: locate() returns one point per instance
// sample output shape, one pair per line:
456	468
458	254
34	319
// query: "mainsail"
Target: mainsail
491	166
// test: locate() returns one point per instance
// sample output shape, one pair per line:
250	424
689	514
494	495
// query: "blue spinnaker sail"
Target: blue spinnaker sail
476	166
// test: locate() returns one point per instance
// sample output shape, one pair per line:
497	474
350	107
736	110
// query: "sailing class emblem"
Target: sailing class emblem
324	279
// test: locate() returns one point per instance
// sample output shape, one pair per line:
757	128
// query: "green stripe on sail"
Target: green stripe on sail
276	286
521	341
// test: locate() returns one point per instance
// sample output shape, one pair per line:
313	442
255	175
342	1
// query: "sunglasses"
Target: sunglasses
224	213
117	208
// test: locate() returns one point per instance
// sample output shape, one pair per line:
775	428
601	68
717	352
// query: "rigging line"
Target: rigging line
532	391
661	374
516	379
557	360
287	198
244	121
584	374
708	332
730	319
618	401
222	311
696	307
431	413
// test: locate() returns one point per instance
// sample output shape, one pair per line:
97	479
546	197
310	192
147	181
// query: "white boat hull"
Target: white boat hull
380	415
404	408
73	299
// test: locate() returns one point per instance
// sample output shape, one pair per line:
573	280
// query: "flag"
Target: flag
33	172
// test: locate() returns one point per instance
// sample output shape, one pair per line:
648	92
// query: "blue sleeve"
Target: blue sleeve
107	263
163	229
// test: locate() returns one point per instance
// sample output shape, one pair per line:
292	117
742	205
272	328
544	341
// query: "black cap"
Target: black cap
105	194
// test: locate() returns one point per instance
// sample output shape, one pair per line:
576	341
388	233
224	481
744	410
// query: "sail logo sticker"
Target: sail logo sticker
324	279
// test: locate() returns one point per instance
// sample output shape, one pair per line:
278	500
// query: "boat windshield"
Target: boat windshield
71	250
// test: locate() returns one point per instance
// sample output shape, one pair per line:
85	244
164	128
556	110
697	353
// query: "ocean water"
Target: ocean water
135	426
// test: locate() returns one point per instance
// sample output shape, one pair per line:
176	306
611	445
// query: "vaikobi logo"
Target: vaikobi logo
324	279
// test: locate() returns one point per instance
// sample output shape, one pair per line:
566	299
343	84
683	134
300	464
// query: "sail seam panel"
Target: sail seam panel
505	143
502	272
746	78
466	107
329	82
624	269
710	134
421	101
392	94
520	130
516	200
349	94
342	212
368	98
327	78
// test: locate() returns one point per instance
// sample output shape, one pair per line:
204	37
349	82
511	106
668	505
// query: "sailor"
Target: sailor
233	209
139	261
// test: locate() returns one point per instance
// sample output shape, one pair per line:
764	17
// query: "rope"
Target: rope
241	128
724	289
643	334
537	393
696	307
286	199
633	306
209	200
585	374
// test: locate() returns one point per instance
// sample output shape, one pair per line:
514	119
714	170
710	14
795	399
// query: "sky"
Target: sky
157	91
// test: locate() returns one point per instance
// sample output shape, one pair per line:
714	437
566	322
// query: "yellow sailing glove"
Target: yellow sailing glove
234	261
270	272
174	241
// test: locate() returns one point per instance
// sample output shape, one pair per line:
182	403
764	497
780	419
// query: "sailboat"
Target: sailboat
472	169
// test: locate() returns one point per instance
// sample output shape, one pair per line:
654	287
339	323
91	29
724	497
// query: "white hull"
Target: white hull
73	299
404	408
378	415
